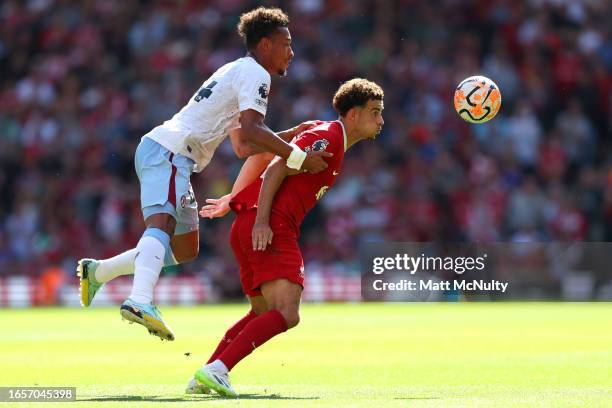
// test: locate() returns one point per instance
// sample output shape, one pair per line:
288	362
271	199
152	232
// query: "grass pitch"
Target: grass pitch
363	355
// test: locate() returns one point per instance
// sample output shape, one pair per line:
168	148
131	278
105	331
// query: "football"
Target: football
477	99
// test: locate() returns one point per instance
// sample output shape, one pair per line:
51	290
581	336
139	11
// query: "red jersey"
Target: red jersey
299	193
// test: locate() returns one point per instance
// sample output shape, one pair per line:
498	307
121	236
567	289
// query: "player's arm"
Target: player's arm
243	148
289	134
251	169
273	178
251	85
254	131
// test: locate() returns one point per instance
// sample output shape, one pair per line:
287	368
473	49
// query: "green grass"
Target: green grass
369	355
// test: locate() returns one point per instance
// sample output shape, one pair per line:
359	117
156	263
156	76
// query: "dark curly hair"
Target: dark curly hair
356	92
259	23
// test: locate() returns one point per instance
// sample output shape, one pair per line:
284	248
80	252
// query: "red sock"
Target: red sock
231	334
254	334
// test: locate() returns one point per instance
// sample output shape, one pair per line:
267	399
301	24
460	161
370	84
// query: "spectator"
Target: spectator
80	83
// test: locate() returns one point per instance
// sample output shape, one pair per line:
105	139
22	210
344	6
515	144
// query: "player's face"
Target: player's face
281	52
370	120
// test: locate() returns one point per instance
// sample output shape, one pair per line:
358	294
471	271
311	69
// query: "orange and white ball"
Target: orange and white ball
477	99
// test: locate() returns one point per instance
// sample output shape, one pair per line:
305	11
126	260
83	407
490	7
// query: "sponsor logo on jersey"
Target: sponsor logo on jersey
263	90
261	102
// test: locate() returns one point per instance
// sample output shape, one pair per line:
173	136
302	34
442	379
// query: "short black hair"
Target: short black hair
356	92
259	23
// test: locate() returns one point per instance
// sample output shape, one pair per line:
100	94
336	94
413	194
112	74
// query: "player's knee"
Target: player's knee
164	222
291	315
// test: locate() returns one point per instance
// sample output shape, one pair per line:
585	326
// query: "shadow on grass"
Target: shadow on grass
271	397
150	398
154	398
416	398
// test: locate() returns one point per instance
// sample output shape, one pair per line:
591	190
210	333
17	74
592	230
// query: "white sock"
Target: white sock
218	366
122	264
147	266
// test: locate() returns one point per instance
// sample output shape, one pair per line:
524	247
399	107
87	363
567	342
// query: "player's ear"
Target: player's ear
266	44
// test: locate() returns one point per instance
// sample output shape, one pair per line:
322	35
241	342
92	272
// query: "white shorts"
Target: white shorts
165	185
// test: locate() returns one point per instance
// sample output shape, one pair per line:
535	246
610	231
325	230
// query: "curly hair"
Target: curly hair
259	23
356	92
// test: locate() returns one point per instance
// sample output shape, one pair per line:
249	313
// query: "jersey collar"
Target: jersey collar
251	56
343	133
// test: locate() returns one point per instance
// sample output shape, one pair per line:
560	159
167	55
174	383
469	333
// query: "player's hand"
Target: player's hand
304	126
261	235
217	207
314	162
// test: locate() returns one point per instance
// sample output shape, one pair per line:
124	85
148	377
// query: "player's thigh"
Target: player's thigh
187	222
166	195
238	248
258	304
282	260
185	247
154	170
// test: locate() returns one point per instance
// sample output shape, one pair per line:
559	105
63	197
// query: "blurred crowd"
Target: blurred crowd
82	81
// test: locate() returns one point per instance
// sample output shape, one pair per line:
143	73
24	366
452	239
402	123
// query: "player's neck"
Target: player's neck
351	136
350	142
257	59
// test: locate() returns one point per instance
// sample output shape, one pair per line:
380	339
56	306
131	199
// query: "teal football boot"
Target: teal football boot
147	315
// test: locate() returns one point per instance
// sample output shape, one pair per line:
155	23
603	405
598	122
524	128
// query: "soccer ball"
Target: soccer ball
477	99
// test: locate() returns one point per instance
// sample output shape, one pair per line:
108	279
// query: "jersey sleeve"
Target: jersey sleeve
252	86
319	141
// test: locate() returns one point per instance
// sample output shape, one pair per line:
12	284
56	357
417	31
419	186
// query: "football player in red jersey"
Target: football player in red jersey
264	236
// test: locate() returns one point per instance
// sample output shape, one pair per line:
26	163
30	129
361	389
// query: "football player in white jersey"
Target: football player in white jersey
232	102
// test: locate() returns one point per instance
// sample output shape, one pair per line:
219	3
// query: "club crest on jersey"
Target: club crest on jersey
263	90
318	146
187	199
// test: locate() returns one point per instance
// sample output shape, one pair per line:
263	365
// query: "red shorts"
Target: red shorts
281	260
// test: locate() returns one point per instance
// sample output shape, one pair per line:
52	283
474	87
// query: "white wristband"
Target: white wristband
296	158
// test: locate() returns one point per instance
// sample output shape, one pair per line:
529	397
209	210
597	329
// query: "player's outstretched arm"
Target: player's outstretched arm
251	169
216	207
273	178
255	131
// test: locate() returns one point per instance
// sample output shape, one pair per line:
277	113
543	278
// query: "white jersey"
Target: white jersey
199	128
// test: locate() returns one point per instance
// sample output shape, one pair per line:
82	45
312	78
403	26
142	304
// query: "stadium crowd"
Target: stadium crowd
81	82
